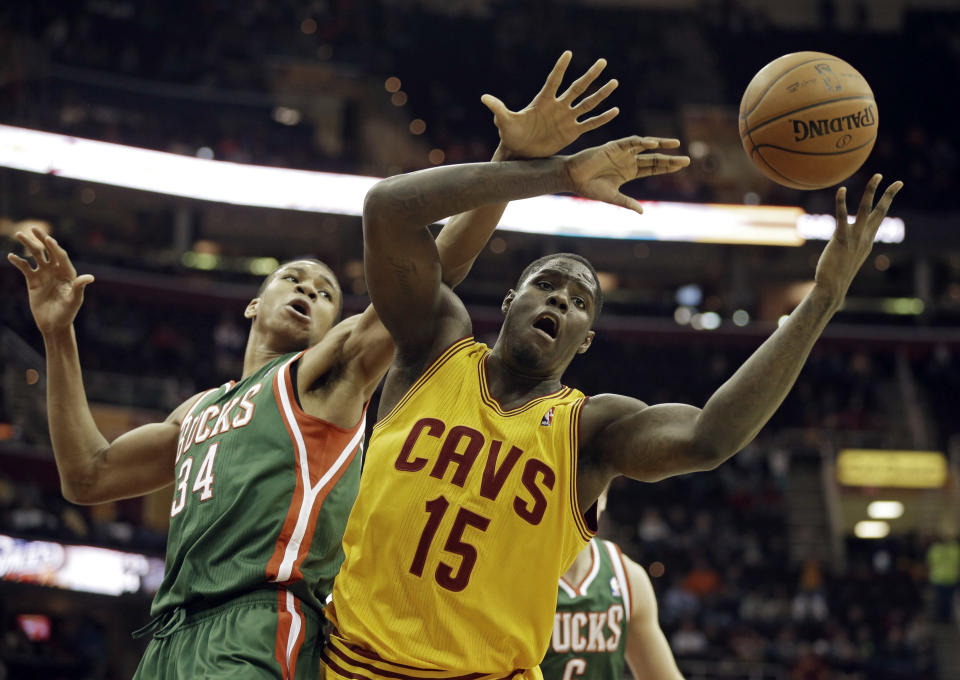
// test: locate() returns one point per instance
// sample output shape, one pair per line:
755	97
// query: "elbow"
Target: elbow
709	455
377	205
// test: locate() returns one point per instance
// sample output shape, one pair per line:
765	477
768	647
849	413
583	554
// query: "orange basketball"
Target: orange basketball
808	120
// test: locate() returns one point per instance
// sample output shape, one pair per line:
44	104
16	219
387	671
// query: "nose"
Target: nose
559	300
305	288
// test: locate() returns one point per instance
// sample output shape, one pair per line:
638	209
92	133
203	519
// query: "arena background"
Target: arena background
764	568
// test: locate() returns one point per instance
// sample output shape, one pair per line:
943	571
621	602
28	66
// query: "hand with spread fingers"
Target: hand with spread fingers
54	289
550	122
851	243
598	172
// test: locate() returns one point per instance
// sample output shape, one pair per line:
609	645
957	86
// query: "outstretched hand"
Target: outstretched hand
54	289
851	243
599	172
550	122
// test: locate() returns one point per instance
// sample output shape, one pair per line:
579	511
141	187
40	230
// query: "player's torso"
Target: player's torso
261	494
589	637
465	520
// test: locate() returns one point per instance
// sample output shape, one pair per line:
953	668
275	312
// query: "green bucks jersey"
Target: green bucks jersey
261	497
589	639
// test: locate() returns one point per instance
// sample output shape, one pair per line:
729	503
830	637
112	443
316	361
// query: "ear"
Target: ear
585	345
251	311
507	301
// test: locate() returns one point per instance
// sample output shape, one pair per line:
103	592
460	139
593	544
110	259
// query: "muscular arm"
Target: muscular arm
650	443
400	256
625	436
93	470
648	653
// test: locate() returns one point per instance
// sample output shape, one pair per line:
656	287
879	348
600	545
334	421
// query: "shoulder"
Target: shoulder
602	410
641	589
178	414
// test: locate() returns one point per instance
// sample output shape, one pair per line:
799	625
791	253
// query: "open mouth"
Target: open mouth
547	325
301	308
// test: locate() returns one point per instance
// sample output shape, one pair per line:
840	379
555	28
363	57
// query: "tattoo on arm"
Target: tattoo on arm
405	269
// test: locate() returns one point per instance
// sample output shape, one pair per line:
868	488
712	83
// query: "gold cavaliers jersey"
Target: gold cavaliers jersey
466	518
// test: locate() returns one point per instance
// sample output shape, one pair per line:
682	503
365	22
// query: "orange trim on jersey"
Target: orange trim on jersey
328	451
588	574
355	663
426	375
491	401
290	633
585	531
626	578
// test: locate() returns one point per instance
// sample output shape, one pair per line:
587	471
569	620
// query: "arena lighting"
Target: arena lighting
269	187
78	567
885	510
901	469
871	529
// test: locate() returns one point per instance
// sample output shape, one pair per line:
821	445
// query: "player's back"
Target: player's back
465	519
589	640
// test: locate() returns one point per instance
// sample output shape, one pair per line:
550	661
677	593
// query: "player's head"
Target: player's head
550	313
297	304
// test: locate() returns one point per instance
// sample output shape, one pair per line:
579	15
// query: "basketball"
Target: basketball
808	120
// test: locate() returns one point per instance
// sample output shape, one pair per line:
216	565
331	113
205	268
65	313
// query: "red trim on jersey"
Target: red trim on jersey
338	669
324	443
452	349
586	531
355	656
492	402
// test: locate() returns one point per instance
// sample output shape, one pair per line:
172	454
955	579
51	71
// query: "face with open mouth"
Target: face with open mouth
298	304
549	316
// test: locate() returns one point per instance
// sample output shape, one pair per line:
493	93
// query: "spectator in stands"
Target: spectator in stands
943	563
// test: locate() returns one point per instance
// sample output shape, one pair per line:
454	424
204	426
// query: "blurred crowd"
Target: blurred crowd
210	76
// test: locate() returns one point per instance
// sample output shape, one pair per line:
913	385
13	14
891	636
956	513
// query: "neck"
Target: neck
257	354
581	565
509	384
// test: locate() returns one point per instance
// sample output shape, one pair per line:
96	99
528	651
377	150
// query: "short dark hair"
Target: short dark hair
541	261
269	277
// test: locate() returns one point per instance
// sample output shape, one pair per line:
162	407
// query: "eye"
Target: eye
290	277
326	294
544	285
579	302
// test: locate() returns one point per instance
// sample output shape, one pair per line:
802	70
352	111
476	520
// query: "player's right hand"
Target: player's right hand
54	289
550	122
598	172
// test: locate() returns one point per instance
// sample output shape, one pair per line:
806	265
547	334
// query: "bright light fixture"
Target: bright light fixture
871	529
885	510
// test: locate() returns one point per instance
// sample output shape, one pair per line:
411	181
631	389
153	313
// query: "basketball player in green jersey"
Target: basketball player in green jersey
265	469
607	618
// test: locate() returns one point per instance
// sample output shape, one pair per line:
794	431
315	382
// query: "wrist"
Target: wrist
825	298
503	154
58	336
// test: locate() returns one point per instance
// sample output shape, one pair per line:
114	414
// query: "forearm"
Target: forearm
410	202
737	411
73	432
465	235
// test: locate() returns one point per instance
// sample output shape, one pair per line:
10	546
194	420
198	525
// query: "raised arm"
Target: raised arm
545	126
400	257
92	470
625	436
648	652
548	124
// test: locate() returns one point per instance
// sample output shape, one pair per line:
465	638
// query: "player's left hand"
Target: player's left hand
550	122
851	243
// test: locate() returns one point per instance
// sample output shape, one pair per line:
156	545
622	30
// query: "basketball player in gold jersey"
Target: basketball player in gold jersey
283	510
481	476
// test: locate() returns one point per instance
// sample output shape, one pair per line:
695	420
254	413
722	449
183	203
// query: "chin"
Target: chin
527	357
